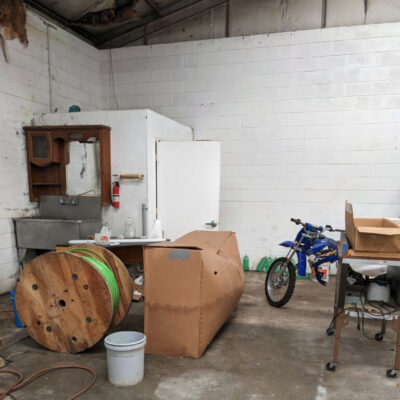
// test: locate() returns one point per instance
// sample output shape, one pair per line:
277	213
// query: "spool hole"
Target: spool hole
48	328
74	339
62	303
74	277
38	323
88	320
35	287
86	287
215	272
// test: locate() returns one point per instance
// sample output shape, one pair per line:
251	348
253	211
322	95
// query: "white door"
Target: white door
188	179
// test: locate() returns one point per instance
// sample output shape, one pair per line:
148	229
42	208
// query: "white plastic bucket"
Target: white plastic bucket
125	357
378	291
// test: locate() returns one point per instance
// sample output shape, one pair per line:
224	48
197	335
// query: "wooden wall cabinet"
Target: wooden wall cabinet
48	155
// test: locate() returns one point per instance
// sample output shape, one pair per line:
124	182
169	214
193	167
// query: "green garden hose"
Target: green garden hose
102	265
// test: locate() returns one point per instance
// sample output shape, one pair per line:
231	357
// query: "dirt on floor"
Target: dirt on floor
260	353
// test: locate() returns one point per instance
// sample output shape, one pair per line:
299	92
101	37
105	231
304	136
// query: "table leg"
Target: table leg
397	359
391	373
341	322
384	326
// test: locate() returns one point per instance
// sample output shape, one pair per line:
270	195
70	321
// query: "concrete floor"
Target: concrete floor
260	353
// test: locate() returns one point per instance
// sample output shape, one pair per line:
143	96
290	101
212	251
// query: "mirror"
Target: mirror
73	160
83	170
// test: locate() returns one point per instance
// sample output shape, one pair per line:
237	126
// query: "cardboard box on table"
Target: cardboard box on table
372	234
192	285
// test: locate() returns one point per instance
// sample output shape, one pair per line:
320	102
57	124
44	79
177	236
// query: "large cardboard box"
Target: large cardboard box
192	285
372	234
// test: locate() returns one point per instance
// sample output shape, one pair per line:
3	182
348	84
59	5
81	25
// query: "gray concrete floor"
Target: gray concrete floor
260	353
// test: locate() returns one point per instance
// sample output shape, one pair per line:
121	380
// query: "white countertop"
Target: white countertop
120	242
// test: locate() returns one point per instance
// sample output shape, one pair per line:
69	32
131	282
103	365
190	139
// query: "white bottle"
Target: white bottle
129	229
156	231
104	235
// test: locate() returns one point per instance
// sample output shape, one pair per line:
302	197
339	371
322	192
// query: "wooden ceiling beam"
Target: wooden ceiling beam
154	6
57	19
151	25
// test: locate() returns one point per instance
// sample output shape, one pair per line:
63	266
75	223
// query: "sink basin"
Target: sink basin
45	234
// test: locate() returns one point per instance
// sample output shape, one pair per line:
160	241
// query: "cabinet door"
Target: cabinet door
40	148
188	183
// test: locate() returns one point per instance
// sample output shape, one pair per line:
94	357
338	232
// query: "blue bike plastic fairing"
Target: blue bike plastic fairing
314	228
330	255
301	263
286	243
318	245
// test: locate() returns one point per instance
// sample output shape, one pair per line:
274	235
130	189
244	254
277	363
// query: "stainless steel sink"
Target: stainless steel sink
45	234
62	218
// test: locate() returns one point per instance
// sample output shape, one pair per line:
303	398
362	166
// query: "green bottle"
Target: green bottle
261	265
246	263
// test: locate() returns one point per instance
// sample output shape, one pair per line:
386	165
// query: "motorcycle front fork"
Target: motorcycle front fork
289	257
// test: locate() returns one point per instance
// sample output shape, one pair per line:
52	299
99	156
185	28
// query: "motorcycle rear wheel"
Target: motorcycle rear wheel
279	290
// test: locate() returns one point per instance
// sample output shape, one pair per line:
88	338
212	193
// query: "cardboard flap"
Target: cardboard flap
174	245
349	222
230	250
378	230
200	240
205	240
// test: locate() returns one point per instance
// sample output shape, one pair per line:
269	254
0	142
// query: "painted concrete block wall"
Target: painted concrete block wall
25	90
306	120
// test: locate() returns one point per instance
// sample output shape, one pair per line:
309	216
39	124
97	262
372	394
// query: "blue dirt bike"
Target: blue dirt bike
309	243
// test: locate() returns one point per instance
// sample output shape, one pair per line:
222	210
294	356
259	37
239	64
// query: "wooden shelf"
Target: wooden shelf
46	184
51	143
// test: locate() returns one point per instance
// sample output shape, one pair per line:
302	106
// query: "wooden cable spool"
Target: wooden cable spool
66	304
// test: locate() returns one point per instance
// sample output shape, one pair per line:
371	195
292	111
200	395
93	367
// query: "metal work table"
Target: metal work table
130	251
340	315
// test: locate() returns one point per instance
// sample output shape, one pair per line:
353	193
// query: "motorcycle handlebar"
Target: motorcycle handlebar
329	228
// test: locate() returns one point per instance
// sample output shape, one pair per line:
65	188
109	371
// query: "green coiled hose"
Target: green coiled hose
102	265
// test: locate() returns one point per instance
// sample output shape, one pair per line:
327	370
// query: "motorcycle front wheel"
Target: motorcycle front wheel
280	282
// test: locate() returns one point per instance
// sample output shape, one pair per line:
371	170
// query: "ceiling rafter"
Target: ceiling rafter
154	6
160	19
152	25
177	6
64	23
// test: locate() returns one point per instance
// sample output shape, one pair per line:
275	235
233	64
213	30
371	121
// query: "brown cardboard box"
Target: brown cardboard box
372	234
192	285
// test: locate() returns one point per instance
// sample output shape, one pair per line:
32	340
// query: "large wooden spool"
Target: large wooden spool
65	303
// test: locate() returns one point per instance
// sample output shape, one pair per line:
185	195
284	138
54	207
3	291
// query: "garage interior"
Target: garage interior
199	199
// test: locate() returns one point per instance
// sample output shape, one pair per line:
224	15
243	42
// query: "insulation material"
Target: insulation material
77	9
108	18
13	20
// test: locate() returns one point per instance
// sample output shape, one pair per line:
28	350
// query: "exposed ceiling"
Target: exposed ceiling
115	23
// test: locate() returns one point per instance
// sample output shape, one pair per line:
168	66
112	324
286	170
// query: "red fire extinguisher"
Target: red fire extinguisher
115	194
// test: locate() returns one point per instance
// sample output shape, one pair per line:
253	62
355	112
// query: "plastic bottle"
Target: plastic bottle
156	231
246	263
261	265
129	229
105	234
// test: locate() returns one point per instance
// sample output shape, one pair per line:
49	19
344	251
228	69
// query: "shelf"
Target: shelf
46	184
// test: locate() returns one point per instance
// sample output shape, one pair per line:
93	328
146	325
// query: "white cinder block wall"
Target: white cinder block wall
24	90
306	120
